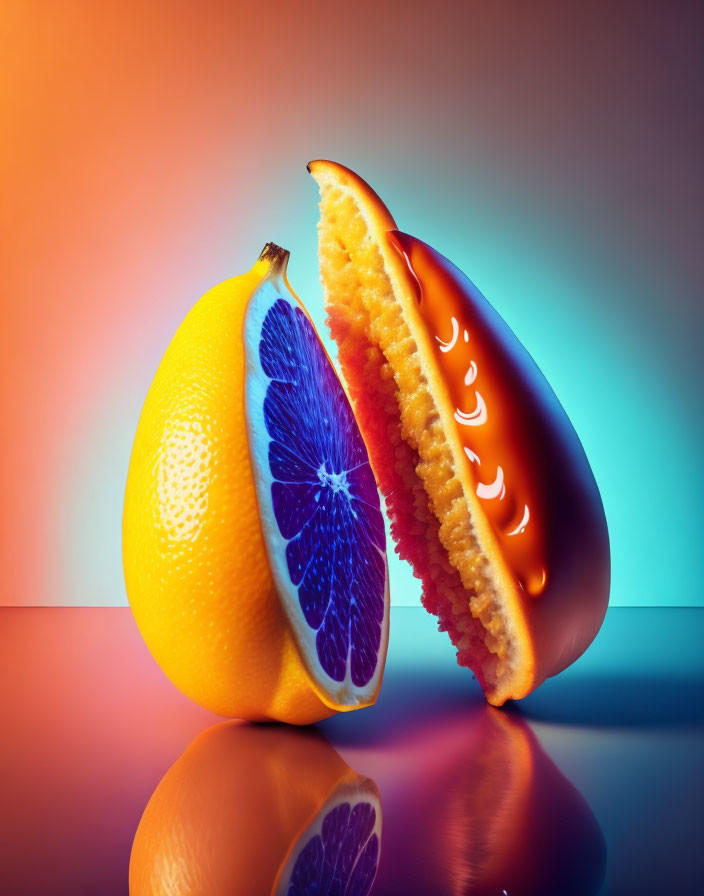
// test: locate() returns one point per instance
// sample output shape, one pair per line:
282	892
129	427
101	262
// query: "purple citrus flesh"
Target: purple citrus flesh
318	497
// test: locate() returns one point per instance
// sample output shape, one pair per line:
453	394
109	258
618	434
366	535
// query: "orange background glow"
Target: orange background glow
149	150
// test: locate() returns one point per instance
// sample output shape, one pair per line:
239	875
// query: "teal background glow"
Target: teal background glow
552	151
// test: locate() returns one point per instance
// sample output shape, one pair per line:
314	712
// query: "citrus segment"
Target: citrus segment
318	499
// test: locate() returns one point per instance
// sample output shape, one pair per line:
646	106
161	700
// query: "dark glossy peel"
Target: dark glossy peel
560	559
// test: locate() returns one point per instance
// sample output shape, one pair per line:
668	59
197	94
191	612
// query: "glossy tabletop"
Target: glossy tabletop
592	785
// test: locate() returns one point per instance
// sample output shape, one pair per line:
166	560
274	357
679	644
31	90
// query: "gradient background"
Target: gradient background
148	150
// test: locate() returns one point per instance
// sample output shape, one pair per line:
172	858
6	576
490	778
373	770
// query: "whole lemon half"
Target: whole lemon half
253	541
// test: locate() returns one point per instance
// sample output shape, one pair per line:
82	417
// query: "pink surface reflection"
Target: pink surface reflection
89	724
466	800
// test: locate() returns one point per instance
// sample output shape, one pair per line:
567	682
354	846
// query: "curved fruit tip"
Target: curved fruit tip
250	810
490	494
327	173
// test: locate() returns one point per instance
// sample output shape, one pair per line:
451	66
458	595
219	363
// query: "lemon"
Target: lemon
207	579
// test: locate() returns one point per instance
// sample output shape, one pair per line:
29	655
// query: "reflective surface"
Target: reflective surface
593	785
258	809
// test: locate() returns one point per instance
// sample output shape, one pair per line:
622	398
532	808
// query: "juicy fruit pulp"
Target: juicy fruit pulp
209	581
488	489
248	810
317	496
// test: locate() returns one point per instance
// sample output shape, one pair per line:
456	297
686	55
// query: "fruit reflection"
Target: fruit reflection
476	807
258	810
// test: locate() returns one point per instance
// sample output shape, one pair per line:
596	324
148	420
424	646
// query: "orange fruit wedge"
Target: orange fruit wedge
490	495
253	539
257	810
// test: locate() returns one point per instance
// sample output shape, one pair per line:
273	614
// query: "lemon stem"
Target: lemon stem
277	258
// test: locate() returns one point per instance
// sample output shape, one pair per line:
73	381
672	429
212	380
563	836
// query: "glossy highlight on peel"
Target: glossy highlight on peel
253	540
493	429
489	492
